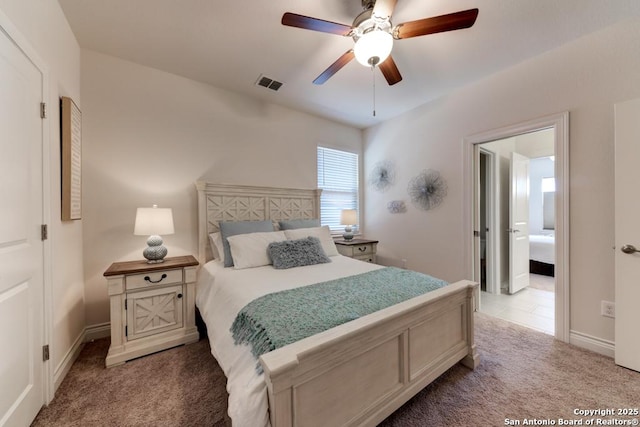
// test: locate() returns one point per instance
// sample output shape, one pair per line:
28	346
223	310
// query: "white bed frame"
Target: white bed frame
362	371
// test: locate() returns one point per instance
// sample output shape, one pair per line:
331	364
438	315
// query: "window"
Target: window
338	179
548	203
548	185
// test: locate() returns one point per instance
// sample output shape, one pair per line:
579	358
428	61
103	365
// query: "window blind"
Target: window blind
338	179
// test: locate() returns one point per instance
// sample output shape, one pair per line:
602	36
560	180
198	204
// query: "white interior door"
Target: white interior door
21	247
519	223
627	234
476	214
490	226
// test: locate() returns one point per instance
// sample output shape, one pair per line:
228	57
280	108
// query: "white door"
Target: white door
476	215
519	223
21	247
627	232
492	229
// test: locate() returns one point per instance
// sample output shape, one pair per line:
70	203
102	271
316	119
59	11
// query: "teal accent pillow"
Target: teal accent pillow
297	253
231	228
292	224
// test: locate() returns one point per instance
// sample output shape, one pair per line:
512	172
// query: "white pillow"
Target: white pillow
322	233
215	241
250	250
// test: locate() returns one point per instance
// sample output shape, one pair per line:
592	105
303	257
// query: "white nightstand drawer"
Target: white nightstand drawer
367	258
355	251
362	249
154	278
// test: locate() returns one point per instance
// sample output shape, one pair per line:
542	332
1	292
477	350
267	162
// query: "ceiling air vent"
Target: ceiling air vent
268	83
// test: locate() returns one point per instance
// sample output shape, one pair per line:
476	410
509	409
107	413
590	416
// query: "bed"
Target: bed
356	373
542	254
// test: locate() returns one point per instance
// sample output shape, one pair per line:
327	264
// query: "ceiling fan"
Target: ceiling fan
374	34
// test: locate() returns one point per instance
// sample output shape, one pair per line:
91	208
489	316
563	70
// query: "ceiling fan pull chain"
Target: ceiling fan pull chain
373	76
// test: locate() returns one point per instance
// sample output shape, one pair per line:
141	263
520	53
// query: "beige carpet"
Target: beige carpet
522	374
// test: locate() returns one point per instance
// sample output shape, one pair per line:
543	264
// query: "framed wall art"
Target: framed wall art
71	144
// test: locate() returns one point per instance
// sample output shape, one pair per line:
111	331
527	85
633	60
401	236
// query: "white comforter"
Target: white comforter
222	293
542	248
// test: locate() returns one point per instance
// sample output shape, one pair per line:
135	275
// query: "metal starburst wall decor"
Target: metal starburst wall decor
382	176
427	190
396	206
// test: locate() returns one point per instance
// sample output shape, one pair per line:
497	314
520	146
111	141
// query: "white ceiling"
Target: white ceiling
229	44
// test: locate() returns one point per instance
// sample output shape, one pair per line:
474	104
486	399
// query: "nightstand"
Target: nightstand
152	307
361	249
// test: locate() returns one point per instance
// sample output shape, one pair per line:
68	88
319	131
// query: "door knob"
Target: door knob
629	249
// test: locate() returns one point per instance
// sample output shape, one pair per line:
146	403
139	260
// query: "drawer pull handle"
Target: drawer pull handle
179	296
362	248
148	279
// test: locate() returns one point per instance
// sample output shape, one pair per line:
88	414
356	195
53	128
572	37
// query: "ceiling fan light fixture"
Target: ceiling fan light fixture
373	48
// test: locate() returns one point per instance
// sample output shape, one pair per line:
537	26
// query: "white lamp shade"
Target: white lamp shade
153	221
373	44
349	217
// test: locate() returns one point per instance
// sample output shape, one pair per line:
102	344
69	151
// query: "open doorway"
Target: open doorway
517	226
494	230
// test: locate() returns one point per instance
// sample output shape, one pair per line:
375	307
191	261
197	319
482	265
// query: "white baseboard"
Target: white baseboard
63	368
595	344
90	333
94	332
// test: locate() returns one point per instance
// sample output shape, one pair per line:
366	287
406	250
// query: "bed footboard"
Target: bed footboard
360	372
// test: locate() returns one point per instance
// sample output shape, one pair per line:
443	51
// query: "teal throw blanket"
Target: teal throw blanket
275	320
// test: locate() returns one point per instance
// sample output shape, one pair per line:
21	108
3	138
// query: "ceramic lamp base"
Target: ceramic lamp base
348	233
155	252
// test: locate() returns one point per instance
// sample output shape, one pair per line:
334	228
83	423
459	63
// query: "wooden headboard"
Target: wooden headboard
224	202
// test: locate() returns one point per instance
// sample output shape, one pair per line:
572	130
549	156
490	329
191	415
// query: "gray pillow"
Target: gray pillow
292	224
231	228
296	253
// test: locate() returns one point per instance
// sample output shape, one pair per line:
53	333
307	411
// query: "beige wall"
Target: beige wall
149	135
46	29
586	78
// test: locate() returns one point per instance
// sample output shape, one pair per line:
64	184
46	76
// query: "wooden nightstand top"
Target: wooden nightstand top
129	267
354	242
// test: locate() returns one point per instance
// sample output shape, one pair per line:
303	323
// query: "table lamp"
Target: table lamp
348	218
153	222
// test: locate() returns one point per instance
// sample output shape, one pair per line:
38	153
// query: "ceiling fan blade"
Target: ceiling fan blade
315	24
335	67
384	8
436	24
390	71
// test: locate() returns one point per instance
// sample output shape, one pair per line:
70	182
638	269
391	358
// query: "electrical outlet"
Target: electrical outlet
608	309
